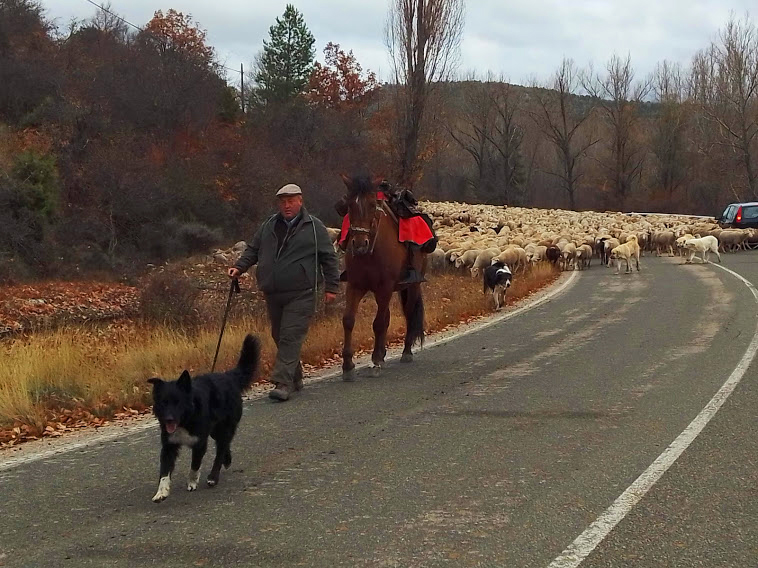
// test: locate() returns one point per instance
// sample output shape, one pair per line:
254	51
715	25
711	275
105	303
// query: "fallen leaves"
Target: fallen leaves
29	306
63	421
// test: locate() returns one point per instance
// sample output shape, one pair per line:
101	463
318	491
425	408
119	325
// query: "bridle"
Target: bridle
373	230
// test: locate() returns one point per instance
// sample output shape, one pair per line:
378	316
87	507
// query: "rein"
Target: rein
381	208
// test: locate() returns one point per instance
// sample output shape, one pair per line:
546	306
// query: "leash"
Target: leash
234	288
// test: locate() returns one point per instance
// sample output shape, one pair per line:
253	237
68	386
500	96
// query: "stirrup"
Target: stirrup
412	277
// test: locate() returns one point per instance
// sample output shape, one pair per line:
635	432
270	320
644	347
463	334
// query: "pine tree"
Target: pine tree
286	63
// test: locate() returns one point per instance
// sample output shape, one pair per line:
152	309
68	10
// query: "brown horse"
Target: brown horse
375	261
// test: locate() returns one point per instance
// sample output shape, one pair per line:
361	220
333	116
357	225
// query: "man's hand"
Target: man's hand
233	272
329	297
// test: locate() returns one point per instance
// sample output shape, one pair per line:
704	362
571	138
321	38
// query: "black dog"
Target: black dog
497	278
191	410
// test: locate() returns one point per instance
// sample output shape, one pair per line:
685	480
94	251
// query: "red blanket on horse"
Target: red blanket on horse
413	229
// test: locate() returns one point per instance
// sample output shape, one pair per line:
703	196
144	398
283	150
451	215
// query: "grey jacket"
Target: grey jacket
300	265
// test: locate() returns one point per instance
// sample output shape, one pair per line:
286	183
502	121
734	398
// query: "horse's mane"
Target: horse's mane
361	185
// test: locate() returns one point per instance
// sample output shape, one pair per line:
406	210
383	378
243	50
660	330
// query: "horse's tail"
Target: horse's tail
413	308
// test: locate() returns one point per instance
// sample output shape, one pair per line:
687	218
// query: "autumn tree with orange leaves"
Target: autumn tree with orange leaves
177	32
186	84
340	82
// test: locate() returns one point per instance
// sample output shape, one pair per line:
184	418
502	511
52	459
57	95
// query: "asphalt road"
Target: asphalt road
496	449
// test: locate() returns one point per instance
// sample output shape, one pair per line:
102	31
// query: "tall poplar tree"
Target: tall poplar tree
285	65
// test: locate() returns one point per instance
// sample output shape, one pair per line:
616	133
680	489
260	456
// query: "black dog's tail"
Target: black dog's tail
248	362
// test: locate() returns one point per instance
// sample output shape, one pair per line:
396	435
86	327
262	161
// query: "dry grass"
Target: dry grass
45	373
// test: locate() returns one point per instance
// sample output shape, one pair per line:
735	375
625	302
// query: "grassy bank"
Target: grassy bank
54	381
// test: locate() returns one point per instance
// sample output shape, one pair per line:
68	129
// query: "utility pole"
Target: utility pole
242	87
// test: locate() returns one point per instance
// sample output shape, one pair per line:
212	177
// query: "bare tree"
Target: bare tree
472	130
725	86
668	143
423	38
560	118
618	96
109	23
489	130
506	138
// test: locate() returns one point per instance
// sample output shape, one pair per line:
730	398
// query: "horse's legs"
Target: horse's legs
381	323
353	298
413	309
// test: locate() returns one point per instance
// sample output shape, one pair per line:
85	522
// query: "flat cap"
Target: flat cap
289	189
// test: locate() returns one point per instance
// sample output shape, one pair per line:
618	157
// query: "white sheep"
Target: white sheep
467	259
483	260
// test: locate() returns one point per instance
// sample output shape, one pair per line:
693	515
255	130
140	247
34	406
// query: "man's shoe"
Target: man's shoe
412	277
281	392
298	379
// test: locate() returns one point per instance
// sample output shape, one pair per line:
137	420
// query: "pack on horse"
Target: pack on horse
376	261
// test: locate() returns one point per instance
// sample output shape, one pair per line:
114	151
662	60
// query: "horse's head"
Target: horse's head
364	212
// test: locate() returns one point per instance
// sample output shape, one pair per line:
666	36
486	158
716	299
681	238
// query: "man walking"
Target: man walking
292	250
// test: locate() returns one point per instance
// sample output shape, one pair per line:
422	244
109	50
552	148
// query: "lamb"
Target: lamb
522	262
584	256
663	240
600	249
509	256
608	245
680	243
467	259
569	255
483	260
703	245
732	239
453	254
437	260
535	254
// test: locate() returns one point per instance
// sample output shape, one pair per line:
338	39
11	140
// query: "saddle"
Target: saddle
404	204
416	227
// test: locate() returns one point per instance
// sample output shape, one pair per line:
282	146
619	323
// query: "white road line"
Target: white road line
586	542
63	447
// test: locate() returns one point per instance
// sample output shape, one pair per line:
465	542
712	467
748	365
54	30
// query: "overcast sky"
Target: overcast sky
519	39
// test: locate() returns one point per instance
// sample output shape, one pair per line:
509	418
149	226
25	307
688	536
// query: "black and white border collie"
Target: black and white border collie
497	279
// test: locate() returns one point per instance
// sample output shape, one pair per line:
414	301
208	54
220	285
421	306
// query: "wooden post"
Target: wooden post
242	87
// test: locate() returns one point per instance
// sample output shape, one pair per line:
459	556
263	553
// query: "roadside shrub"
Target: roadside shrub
23	232
12	271
175	239
196	237
170	299
37	180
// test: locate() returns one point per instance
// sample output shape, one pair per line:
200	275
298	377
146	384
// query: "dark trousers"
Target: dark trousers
290	314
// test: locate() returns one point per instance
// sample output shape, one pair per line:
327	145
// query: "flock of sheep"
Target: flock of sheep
472	237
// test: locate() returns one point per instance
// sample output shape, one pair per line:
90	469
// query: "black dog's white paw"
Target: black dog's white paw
164	488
